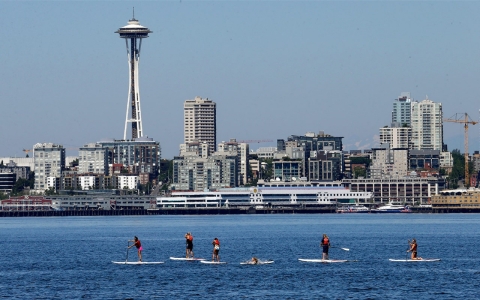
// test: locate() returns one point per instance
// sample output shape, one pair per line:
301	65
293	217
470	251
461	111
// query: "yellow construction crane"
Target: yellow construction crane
465	120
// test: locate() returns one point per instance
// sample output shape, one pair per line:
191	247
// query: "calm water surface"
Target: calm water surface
70	257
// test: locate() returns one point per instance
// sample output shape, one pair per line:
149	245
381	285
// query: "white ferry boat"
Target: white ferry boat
353	209
306	196
95	202
392	208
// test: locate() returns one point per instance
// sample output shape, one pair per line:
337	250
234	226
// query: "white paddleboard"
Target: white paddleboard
415	260
213	262
260	262
137	262
186	259
316	260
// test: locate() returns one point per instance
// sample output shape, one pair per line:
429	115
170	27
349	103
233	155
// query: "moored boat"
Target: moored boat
353	209
392	208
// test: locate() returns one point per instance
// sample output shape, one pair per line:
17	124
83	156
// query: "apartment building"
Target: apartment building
401	112
49	160
427	125
93	159
200	121
396	136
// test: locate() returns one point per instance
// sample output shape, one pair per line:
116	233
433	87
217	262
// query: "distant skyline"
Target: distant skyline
274	68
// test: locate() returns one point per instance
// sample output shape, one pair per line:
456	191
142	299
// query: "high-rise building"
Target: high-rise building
49	162
133	33
427	125
200	122
401	112
397	137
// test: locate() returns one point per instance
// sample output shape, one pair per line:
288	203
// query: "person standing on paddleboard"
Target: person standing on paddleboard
325	244
136	243
189	240
413	249
216	250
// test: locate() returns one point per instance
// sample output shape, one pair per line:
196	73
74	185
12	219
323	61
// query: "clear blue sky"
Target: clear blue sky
273	68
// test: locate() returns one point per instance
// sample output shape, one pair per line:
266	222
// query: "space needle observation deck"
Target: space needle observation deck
133	33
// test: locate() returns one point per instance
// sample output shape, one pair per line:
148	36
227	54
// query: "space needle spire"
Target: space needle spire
133	32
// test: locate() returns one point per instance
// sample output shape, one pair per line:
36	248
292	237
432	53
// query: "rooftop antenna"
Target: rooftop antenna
134	12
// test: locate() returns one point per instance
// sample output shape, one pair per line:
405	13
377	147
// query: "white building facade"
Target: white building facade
265	152
388	162
49	160
129	182
397	137
200	121
87	182
93	159
427	125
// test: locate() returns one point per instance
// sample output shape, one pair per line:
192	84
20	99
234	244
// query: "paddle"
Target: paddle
128	244
406	255
344	249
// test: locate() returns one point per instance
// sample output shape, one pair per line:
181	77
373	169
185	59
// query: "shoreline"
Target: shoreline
201	211
166	211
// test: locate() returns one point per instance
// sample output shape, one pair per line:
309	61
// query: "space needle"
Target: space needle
134	33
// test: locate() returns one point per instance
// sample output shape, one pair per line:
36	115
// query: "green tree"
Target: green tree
249	176
361	160
266	173
19	186
166	169
74	163
31	180
359	172
458	169
50	191
22	183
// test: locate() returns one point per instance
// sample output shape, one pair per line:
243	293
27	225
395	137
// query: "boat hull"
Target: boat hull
390	211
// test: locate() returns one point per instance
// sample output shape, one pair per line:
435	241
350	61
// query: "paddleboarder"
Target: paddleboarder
138	244
216	250
325	244
413	249
189	241
254	260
